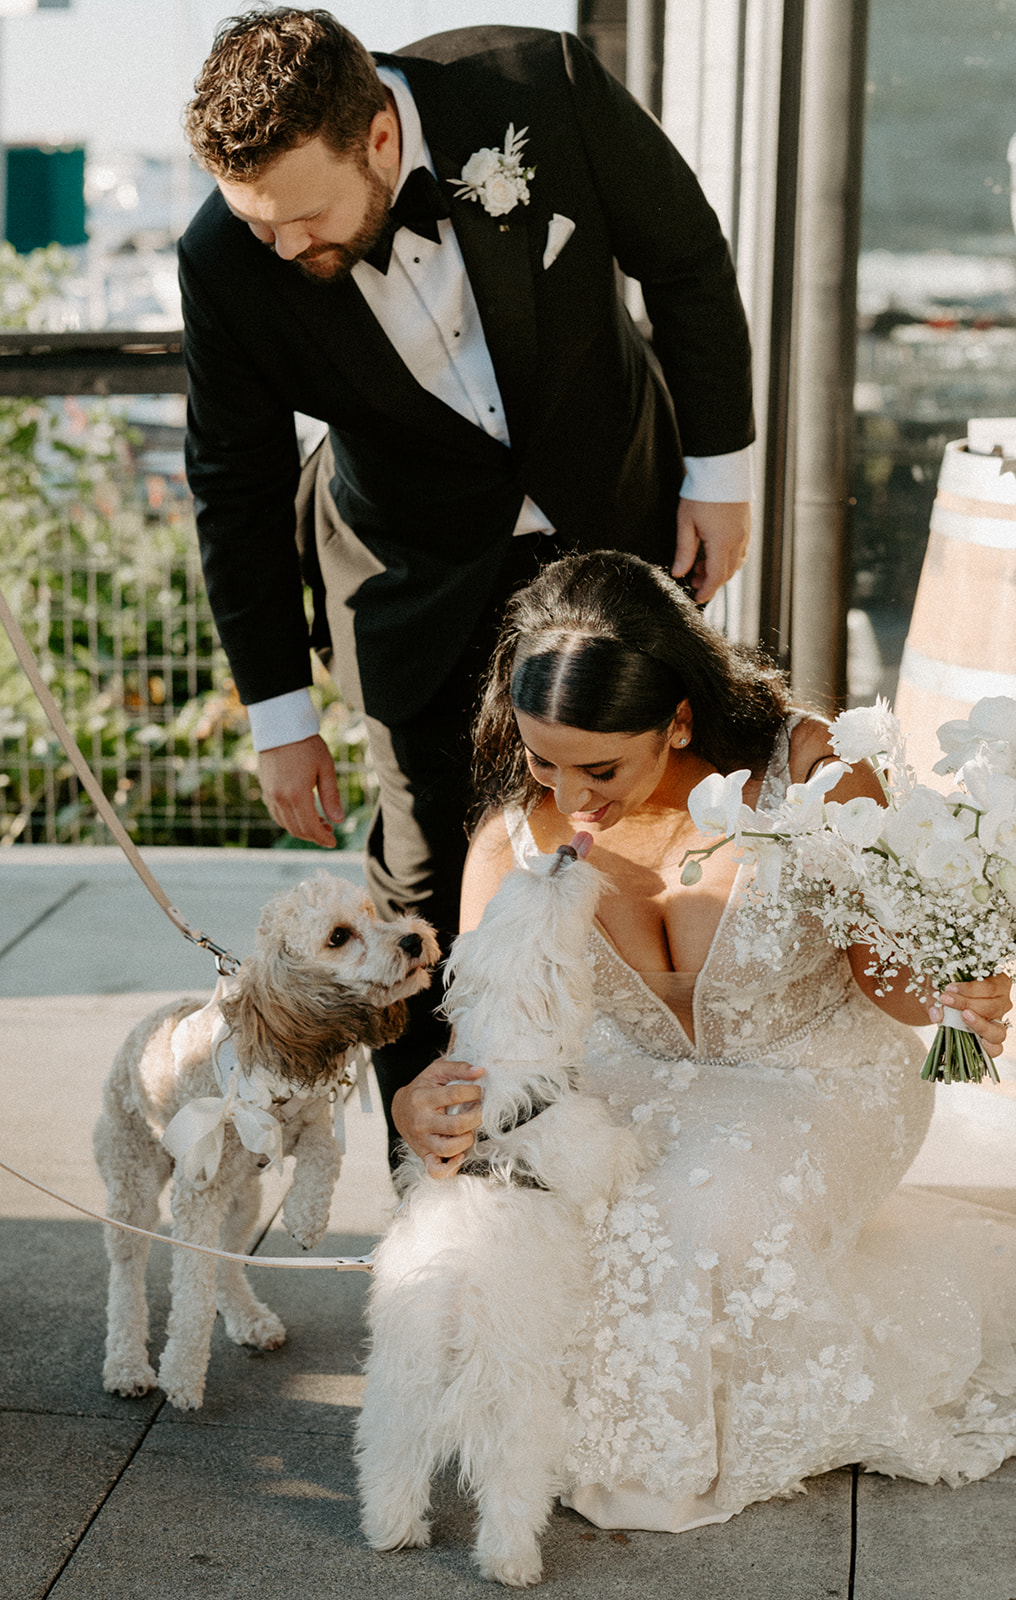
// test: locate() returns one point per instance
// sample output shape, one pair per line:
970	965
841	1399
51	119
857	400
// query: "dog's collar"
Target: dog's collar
535	1109
512	1176
515	1174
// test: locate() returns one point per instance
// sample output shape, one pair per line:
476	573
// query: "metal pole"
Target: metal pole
777	512
832	118
644	53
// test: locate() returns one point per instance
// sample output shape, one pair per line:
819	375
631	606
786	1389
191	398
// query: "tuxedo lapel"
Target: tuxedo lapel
496	250
496	255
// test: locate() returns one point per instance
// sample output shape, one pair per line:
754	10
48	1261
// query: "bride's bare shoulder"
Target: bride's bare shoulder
809	747
489	858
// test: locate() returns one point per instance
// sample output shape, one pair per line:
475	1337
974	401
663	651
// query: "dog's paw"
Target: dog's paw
307	1236
129	1381
307	1224
259	1328
414	1535
184	1395
518	1572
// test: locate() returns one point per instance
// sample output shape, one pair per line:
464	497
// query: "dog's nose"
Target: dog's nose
412	944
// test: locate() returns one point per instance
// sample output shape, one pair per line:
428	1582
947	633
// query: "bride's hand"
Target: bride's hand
419	1113
983	1003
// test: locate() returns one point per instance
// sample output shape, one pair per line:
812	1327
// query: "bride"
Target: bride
769	1305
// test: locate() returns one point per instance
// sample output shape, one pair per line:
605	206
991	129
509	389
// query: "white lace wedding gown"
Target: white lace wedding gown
769	1306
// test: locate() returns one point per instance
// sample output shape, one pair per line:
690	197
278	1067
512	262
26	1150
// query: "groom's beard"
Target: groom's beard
332	262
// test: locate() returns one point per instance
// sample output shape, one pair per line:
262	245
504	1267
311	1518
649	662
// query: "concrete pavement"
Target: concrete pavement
254	1495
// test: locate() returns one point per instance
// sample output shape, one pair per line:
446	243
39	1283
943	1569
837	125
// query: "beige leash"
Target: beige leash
224	961
333	1263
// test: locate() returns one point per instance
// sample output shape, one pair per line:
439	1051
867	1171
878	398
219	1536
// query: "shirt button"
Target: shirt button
492	409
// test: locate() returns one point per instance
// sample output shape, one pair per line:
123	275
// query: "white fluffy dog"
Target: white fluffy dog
480	1284
233	1085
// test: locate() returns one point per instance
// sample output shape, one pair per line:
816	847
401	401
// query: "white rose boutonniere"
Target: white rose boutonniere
497	178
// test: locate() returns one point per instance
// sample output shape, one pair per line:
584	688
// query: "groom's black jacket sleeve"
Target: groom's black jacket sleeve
426	501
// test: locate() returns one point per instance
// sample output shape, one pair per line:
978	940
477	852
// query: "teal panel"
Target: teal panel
45	197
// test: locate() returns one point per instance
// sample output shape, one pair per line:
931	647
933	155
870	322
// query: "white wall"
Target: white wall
114	74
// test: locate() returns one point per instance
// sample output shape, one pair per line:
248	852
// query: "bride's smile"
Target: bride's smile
598	778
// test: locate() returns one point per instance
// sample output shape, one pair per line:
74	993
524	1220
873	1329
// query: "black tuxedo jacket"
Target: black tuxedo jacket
427	501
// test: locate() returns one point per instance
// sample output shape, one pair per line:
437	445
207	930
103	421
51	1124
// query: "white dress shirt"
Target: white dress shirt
426	307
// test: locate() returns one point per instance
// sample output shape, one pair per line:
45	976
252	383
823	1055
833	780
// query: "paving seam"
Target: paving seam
68	894
855	1473
43	1594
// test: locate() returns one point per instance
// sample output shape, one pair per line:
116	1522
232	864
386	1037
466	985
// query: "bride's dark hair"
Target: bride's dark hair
608	643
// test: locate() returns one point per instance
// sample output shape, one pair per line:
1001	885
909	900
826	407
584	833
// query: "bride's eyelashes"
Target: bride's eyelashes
537	765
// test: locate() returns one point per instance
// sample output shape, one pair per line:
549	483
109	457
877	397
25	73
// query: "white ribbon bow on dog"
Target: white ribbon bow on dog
194	1137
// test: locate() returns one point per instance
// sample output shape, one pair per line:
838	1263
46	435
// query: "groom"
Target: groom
490	404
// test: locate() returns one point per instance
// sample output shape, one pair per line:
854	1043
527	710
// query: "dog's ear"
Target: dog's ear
355	1022
385	1024
301	1029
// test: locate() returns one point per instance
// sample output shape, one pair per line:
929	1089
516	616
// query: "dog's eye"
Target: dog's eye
338	937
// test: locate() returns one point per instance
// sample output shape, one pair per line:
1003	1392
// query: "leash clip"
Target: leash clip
227	965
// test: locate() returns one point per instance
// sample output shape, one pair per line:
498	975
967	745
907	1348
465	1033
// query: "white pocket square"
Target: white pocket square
559	232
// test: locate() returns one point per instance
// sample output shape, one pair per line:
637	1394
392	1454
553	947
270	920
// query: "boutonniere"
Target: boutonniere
497	178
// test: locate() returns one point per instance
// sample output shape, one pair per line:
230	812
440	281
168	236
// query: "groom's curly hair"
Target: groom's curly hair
274	79
608	643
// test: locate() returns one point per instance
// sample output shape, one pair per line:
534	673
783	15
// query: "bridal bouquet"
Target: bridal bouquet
927	881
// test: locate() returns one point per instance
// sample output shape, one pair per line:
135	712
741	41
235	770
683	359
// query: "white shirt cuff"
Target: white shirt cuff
284	719
718	477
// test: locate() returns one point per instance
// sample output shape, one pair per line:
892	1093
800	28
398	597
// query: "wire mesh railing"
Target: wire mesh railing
99	562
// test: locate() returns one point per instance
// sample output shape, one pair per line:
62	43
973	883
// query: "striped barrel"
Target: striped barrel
962	640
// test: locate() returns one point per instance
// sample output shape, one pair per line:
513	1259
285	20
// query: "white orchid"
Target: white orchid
989	731
762	851
922	814
803	806
768	865
715	804
955	863
1005	877
997	826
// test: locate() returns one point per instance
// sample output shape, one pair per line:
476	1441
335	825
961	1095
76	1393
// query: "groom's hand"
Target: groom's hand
437	1113
712	543
289	776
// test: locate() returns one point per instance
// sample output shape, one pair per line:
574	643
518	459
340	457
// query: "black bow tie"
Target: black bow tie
419	207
